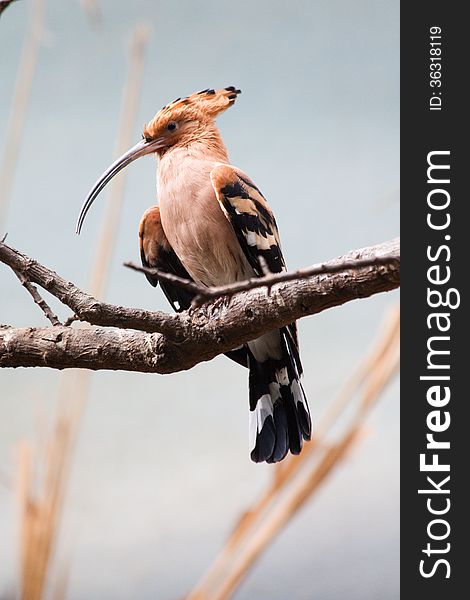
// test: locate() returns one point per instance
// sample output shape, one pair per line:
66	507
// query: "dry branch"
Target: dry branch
206	294
178	342
38	299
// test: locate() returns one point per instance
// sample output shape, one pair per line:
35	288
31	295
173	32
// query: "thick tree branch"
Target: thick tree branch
187	338
93	348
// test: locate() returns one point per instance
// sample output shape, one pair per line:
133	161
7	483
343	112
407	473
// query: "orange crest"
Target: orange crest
209	102
200	106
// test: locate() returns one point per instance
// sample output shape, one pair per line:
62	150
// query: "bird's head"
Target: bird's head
179	123
186	119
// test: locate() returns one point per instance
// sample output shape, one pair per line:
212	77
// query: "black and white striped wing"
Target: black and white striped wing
256	230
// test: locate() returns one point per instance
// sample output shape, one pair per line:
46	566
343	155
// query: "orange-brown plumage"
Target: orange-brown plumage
151	235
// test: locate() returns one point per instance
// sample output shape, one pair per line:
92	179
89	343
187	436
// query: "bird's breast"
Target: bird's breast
195	225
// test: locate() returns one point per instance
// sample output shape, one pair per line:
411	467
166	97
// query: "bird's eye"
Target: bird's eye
172	125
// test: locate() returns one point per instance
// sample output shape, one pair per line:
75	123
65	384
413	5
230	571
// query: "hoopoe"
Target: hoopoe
213	225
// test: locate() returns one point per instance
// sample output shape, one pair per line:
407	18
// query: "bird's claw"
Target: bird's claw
218	304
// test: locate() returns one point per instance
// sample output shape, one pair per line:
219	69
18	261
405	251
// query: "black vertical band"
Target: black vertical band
435	322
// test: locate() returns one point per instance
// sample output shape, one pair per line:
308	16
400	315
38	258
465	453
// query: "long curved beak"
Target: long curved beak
141	149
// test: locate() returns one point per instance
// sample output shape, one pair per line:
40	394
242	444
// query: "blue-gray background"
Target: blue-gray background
162	469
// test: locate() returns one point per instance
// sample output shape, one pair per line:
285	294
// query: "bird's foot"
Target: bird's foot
216	305
209	309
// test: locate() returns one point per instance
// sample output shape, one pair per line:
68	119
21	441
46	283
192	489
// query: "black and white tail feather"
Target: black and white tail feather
279	413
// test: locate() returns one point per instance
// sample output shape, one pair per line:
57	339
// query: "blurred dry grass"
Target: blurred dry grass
93	12
124	140
20	102
43	475
297	478
75	385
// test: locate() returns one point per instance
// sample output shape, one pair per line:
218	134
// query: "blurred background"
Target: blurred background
161	471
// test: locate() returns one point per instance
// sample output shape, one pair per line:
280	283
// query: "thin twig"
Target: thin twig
38	299
206	294
185	284
69	320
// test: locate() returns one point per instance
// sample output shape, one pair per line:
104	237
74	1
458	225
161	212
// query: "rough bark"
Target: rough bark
168	343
